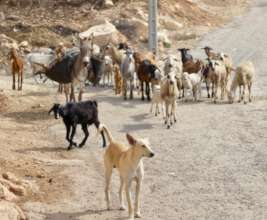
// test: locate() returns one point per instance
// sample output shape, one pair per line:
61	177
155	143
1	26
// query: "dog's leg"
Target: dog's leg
86	133
122	206
137	213
108	173
129	200
139	178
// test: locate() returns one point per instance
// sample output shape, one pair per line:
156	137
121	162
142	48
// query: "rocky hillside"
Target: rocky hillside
48	22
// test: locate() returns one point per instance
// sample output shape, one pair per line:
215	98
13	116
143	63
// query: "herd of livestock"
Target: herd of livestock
173	77
170	78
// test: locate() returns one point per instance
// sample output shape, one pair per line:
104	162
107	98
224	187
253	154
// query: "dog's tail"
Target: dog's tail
104	128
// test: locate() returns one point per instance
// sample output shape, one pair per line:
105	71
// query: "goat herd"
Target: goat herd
170	78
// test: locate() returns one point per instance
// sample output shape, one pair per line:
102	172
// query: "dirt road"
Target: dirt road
211	165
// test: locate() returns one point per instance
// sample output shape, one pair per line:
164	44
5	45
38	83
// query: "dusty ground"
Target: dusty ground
211	165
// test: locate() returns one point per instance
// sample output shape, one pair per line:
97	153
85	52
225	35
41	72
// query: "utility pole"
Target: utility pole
152	26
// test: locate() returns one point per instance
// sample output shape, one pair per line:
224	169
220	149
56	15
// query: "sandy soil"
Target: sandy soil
210	165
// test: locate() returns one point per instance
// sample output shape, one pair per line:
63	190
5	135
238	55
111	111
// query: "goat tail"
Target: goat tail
103	128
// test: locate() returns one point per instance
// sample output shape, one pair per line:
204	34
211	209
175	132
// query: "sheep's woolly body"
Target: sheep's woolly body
157	100
244	76
228	62
218	78
192	82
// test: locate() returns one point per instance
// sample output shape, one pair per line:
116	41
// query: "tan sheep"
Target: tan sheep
243	78
218	77
228	62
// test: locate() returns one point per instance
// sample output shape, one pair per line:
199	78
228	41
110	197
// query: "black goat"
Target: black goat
123	46
96	69
84	113
185	55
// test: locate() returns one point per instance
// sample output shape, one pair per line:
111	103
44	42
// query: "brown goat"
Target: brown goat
16	67
140	57
117	79
148	73
192	67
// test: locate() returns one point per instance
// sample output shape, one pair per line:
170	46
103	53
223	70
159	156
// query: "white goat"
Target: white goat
127	72
157	100
243	77
108	72
192	82
173	64
169	94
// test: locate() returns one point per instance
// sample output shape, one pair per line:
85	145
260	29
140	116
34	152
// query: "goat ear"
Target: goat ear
53	108
49	112
130	139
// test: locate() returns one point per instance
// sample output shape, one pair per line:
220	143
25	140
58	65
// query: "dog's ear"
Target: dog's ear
130	139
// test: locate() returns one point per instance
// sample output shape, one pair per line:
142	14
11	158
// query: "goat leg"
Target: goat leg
71	137
86	133
131	89
125	89
18	80
148	91
14	81
68	133
249	92
142	90
208	89
21	80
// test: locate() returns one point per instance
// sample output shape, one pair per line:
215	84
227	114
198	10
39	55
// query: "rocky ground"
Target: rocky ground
211	165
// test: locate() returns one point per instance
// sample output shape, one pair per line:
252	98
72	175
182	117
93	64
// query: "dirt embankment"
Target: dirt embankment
49	23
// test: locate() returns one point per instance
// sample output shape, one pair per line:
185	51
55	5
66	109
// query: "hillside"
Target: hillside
45	23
